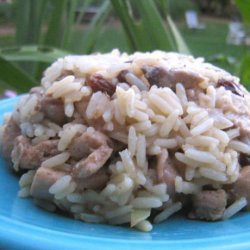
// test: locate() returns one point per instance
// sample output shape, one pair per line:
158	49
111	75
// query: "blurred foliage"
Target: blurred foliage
45	31
244	67
222	8
5	12
179	7
48	29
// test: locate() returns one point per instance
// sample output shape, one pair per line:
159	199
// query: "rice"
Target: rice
148	128
235	208
168	124
132	138
60	184
200	156
167	212
141	151
202	127
146	202
56	160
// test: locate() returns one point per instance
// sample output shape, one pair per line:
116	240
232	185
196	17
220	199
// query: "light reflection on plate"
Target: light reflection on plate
25	226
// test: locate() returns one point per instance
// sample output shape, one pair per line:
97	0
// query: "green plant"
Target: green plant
244	67
45	31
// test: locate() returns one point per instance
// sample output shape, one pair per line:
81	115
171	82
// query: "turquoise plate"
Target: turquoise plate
25	226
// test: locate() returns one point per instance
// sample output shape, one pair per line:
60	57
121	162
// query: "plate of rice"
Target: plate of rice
116	150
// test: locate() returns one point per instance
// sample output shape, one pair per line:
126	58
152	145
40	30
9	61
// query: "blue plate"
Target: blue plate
25	226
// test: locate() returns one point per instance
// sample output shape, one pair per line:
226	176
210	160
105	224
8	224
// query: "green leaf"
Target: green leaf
69	24
28	15
150	31
122	9
86	43
43	54
244	7
245	71
180	43
21	17
82	10
155	26
55	27
15	77
37	15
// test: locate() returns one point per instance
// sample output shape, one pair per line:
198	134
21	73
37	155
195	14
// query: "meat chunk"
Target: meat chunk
27	156
95	181
53	110
169	78
166	171
86	143
98	83
10	132
241	188
90	165
81	106
230	85
43	180
209	205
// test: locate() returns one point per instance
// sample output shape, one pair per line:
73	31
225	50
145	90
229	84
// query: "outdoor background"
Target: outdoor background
33	33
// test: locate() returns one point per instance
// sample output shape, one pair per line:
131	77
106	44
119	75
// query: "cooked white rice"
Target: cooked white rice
195	129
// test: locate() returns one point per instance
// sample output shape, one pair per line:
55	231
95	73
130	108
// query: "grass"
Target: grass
212	41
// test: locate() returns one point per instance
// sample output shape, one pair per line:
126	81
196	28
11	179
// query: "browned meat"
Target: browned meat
95	181
241	188
11	131
31	157
43	180
90	165
122	75
230	85
53	110
98	83
209	205
48	147
86	143
81	106
166	171
168	78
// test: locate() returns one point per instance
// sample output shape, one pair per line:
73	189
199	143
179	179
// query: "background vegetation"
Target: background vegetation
34	33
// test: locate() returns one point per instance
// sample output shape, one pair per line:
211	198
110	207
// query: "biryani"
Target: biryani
133	139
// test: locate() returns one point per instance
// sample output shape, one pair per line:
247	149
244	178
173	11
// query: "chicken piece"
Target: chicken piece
31	157
10	133
95	181
241	188
43	180
90	165
53	110
86	143
208	205
166	171
169	78
81	107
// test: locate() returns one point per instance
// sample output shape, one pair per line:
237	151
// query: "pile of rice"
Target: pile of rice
147	121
